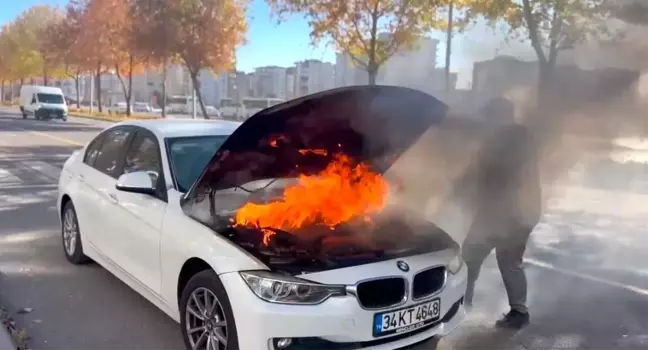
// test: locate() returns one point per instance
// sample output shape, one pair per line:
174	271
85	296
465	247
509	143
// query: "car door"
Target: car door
100	180
86	200
142	214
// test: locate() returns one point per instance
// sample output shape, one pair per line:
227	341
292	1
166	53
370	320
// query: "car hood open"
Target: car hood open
374	124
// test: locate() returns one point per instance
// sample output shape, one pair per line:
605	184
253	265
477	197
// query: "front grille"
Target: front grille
46	112
428	282
379	293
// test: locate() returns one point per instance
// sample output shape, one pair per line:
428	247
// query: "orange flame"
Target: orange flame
321	152
339	193
274	142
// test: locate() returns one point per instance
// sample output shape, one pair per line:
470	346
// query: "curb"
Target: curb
106	119
5	340
7	330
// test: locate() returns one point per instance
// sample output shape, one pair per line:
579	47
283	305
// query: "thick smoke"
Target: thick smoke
593	163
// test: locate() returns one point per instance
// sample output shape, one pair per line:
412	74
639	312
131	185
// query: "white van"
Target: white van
43	102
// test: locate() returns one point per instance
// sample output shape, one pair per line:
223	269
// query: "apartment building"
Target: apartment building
269	81
413	67
313	76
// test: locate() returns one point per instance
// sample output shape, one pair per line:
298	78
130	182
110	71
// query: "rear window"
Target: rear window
50	98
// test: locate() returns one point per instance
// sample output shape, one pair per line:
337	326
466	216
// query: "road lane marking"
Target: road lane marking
53	137
548	266
31	156
7	176
27	187
48	170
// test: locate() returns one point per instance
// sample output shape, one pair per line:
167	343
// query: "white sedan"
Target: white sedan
156	203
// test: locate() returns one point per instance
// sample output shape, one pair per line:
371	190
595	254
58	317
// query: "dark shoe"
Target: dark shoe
513	320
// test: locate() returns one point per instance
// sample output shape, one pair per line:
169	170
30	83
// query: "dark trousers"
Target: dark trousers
509	250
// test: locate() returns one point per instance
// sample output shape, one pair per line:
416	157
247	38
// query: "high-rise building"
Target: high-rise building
290	82
312	76
269	81
209	88
414	67
347	73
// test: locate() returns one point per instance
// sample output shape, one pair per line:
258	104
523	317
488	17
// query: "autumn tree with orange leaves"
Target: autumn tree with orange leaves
355	27
108	40
66	38
30	53
202	34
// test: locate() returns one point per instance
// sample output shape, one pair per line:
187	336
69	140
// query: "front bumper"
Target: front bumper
50	113
336	324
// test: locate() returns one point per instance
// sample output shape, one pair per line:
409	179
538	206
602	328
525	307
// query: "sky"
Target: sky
270	43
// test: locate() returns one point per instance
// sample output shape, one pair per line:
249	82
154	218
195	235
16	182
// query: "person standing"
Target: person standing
507	208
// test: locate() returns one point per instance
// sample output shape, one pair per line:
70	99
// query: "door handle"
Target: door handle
112	197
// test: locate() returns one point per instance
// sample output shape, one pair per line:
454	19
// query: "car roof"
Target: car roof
164	128
45	89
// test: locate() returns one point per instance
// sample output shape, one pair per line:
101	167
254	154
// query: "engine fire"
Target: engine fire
344	191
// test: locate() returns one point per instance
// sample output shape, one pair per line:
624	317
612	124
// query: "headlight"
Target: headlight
455	264
280	289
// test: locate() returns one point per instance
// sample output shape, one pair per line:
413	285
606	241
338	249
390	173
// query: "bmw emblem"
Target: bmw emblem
402	265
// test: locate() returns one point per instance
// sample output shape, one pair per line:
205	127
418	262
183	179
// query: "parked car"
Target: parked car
119	108
212	112
43	102
155	202
142	107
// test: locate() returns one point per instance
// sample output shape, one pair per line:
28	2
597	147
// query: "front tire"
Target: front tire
207	321
71	236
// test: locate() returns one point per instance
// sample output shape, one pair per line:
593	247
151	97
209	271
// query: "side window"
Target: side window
110	156
33	99
92	151
144	155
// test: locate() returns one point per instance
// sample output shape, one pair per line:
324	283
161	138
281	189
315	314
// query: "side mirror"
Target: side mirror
136	182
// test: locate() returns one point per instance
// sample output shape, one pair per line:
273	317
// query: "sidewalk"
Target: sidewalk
6	342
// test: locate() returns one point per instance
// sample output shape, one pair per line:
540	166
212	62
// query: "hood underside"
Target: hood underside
372	125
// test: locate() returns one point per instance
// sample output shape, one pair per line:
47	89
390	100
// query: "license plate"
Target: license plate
406	319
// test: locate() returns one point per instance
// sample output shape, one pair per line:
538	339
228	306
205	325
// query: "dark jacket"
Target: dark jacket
508	186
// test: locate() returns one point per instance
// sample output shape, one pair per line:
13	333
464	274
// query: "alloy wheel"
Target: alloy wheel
206	324
70	232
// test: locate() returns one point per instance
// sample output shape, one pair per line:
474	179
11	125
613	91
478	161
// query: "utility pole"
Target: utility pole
449	45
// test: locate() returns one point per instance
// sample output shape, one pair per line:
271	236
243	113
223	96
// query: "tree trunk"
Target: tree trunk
124	89
31	80
164	88
373	73
130	85
196	84
45	80
545	83
449	45
77	85
2	98
98	87
372	65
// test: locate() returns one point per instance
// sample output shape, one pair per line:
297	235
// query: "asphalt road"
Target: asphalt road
588	275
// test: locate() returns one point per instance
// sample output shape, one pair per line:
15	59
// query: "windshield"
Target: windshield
50	98
189	155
